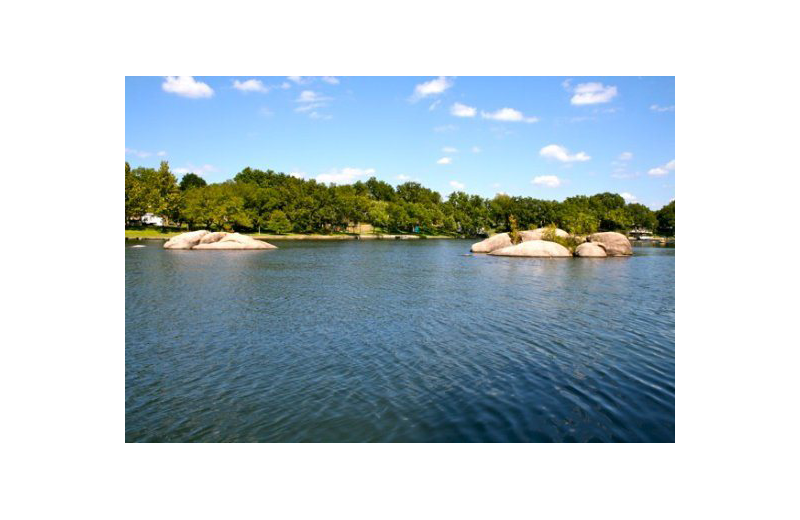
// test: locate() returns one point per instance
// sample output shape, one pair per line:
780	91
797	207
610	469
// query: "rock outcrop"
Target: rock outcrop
502	240
220	240
185	240
616	244
590	249
534	248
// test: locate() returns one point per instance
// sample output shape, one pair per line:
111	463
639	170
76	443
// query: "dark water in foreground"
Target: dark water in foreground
397	341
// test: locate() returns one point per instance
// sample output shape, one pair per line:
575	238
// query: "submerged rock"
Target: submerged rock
615	244
534	248
219	240
589	249
185	240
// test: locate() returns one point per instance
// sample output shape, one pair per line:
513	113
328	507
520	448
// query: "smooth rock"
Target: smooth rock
534	248
213	237
185	240
589	249
236	241
616	244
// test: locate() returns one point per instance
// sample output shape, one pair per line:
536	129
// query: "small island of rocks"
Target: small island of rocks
204	239
535	243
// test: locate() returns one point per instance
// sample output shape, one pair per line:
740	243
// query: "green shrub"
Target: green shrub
570	242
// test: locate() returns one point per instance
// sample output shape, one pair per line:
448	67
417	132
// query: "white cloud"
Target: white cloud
141	154
625	156
449	149
330	80
250	85
457	185
285	85
460	110
309	96
431	88
628	197
298	175
162	153
475	149
509	115
658	108
186	86
444	160
402	177
550	181
297	79
445	128
344	175
559	153
662	170
592	93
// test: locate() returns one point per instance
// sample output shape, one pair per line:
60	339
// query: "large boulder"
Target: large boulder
497	241
235	241
536	234
185	240
616	244
534	248
219	240
502	240
589	249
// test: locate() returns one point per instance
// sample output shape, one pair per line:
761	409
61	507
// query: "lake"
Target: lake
397	341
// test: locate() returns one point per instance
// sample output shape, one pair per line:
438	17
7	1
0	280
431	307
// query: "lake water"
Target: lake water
397	341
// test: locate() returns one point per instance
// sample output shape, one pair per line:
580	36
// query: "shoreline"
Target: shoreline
167	236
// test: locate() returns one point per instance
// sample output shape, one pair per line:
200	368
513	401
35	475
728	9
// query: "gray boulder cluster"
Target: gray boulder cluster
532	245
204	239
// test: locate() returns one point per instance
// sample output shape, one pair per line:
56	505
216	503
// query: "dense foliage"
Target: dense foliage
257	200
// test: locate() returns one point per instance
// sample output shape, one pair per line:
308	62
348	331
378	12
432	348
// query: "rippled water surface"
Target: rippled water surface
397	341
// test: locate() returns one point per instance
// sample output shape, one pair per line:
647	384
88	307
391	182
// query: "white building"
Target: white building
149	218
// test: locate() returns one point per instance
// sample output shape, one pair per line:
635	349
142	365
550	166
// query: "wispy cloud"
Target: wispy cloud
461	110
592	93
205	168
625	156
476	149
330	80
186	86
161	153
434	104
659	108
309	96
449	149
141	154
508	115
431	88
344	175
457	185
559	153
662	170
548	181
445	128
444	160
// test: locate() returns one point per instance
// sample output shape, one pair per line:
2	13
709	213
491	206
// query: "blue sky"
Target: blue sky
545	137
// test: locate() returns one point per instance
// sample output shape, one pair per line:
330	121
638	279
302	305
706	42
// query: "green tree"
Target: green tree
191	180
278	222
666	219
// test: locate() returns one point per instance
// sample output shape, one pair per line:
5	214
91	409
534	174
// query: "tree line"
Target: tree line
256	200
